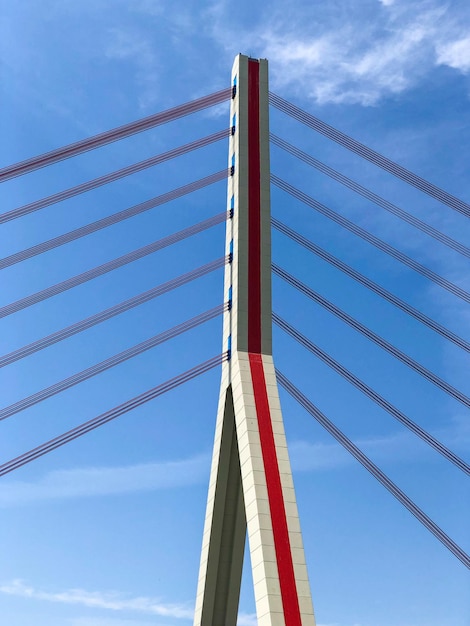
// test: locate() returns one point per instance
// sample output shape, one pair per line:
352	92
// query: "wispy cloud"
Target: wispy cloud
105	621
457	434
148	7
308	457
455	54
94	599
350	66
136	48
100	481
247	620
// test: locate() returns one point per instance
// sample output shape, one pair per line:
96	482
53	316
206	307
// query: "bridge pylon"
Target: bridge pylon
251	489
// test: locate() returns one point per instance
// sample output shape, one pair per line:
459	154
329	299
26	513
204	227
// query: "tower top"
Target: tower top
249	200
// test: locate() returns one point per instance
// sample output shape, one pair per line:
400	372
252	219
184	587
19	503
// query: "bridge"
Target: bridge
354	320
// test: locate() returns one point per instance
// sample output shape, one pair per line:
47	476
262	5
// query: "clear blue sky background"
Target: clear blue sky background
107	530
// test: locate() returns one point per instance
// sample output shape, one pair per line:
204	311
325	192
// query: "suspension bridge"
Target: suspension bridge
250	486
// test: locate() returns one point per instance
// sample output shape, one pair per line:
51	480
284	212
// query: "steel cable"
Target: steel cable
86	427
376	199
116	359
111	265
84	145
449	543
111	177
375	241
366	282
115	218
107	314
374	157
398	354
373	395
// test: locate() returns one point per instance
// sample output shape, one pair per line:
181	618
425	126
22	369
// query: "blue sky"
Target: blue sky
107	530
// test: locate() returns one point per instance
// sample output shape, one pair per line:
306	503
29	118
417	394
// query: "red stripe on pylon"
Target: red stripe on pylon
254	211
285	565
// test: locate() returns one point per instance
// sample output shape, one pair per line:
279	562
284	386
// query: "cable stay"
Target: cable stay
70	150
52	390
117	309
370	155
104	418
373	395
111	177
375	241
376	199
427	522
112	265
115	218
366	282
398	354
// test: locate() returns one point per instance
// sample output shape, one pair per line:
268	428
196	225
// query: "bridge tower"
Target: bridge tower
251	487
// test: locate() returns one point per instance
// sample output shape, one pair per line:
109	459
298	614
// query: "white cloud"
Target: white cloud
99	481
349	56
100	621
455	54
247	620
94	599
308	457
354	65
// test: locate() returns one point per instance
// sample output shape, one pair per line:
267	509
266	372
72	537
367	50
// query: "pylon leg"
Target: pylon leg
225	527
